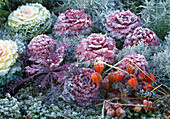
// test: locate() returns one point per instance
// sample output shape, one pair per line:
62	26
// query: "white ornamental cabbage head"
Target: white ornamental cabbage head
8	55
30	20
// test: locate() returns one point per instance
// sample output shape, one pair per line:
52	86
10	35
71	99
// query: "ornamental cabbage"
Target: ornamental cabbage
8	55
30	20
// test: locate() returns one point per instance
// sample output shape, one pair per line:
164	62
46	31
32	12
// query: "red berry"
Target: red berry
107	106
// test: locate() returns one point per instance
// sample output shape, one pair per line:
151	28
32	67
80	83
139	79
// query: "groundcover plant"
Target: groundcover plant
84	59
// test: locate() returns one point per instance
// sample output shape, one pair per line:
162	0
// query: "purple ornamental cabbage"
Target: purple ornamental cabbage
138	59
97	45
142	34
120	24
40	45
48	69
73	22
82	88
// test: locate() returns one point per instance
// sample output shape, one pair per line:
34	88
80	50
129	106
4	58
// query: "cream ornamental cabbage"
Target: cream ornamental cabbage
8	55
30	20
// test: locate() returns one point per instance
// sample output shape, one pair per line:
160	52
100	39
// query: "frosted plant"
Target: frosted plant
9	107
11	48
73	22
8	55
142	34
121	23
156	16
138	59
29	20
80	87
40	45
96	45
96	8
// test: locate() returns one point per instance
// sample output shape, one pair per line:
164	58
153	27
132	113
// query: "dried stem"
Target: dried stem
126	104
161	98
145	74
102	116
113	67
152	91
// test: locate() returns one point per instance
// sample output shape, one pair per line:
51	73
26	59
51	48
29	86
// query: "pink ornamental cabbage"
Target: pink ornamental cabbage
142	34
40	45
84	90
138	59
120	24
96	45
73	22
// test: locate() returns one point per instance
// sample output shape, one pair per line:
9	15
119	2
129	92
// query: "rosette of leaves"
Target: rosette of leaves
8	57
156	16
48	69
96	45
73	23
15	47
80	88
142	34
29	20
96	8
9	107
41	45
138	59
121	23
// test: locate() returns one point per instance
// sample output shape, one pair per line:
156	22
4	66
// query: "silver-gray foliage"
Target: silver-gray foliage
160	63
9	108
97	9
156	16
15	70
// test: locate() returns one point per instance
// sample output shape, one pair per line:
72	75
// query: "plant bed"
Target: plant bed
81	59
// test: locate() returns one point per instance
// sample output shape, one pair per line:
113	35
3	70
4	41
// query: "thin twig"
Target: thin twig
102	116
152	91
131	75
127	104
145	74
161	98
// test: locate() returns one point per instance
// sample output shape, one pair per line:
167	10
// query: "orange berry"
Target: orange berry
106	84
130	69
152	77
111	78
133	82
99	67
147	87
118	76
97	78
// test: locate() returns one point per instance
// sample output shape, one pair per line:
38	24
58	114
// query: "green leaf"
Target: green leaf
4	13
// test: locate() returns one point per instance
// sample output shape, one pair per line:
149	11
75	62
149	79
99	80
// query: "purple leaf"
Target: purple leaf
45	79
